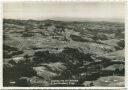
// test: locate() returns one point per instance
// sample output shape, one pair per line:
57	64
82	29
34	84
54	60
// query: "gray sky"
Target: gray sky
59	10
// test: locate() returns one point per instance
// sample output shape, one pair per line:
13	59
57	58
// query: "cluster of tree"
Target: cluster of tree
121	44
10	51
119	33
72	58
12	72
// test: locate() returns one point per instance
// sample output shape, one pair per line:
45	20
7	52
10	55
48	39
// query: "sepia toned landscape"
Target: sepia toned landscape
55	53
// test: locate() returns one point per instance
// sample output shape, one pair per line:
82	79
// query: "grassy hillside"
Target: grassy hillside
37	53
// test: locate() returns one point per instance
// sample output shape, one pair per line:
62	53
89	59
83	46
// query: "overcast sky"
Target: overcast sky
59	10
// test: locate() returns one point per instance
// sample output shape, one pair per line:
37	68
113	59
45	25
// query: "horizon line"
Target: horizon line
122	20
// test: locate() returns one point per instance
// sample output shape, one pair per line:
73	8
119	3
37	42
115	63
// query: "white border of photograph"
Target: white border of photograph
126	47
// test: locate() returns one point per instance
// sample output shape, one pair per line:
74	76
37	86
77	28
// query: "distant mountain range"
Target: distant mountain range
120	20
90	19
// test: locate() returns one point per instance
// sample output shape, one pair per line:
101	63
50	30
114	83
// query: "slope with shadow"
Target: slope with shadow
40	53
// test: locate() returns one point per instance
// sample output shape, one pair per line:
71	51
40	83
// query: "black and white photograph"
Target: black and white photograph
64	44
67	89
